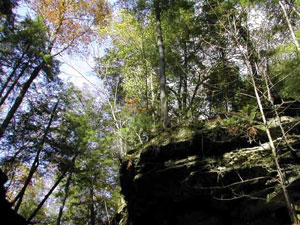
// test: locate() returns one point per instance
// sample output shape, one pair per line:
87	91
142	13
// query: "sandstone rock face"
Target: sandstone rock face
197	176
7	215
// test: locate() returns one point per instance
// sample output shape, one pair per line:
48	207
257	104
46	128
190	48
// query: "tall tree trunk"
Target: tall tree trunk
152	100
179	91
3	99
34	166
163	87
19	99
9	78
92	208
282	179
61	209
35	163
252	61
145	69
107	214
47	196
185	84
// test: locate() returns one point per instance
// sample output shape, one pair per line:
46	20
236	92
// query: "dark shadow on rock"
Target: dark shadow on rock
7	215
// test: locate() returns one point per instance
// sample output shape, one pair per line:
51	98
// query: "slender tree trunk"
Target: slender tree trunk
179	91
34	166
251	61
35	163
9	78
290	26
47	196
185	84
282	179
152	100
146	70
19	99
252	65
3	99
61	209
107	214
198	84
163	87
92	208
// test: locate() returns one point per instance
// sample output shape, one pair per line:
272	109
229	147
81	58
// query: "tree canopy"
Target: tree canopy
163	64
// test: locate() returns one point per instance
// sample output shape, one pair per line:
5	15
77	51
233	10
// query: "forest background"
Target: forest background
168	64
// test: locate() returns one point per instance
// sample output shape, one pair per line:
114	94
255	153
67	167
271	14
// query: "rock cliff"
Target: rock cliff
206	176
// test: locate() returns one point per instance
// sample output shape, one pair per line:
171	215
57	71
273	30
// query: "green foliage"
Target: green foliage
137	130
242	122
224	84
32	200
28	33
210	49
94	172
286	76
134	48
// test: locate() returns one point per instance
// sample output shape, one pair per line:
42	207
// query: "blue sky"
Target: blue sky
76	68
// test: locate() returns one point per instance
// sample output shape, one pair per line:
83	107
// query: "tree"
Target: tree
259	74
71	23
157	7
59	32
65	196
93	175
6	12
162	69
36	161
32	69
132	86
7	6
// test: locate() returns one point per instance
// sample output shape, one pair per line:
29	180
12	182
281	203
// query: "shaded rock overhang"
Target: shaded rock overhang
203	175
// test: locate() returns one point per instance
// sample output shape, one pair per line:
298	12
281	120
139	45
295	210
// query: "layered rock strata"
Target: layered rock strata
206	176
